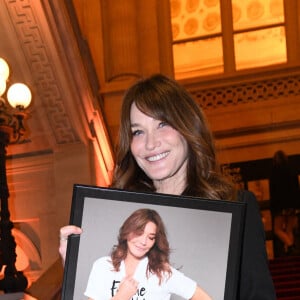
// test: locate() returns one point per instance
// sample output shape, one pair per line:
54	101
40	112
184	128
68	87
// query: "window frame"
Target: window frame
291	24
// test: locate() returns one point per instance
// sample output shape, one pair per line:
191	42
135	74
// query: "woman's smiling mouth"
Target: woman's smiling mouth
158	156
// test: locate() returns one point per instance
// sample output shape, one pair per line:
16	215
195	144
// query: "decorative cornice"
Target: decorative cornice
260	90
35	49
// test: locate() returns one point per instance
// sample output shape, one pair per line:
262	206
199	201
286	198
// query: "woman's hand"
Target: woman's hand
63	238
128	287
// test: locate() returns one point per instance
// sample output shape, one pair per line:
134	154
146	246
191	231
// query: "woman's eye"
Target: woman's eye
137	132
163	124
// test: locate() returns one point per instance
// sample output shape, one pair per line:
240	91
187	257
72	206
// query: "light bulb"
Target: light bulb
2	87
19	95
4	70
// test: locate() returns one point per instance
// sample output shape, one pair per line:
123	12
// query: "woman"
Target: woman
165	146
138	267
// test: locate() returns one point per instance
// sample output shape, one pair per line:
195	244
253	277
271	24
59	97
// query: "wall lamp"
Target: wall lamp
13	102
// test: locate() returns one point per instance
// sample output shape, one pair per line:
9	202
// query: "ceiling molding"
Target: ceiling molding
34	38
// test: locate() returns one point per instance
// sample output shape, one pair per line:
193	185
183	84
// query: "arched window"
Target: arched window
225	37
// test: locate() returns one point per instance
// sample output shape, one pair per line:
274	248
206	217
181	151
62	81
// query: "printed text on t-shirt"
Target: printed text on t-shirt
139	295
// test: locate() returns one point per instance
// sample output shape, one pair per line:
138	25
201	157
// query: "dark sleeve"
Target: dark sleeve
255	279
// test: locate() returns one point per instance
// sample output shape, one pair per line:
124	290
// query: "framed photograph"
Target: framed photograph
205	236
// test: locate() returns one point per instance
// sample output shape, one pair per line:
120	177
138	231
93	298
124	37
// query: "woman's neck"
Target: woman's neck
170	186
131	265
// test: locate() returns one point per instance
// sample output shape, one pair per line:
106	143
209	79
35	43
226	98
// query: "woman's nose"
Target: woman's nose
143	240
152	141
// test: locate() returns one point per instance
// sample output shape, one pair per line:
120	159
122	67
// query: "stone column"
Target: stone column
136	38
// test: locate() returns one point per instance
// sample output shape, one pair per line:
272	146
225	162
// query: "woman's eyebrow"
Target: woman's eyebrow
152	234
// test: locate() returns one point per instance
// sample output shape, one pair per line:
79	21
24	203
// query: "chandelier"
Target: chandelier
13	102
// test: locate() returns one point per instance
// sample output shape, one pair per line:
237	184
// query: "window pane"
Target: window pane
192	19
260	48
253	13
195	18
198	58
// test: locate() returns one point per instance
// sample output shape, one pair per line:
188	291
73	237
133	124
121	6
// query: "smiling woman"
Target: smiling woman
160	151
139	267
166	146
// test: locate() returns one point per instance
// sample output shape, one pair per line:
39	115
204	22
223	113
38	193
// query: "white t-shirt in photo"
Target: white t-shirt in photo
103	282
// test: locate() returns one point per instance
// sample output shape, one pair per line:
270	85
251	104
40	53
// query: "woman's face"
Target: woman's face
140	245
159	150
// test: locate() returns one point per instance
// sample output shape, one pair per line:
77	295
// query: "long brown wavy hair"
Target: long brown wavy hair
158	255
164	99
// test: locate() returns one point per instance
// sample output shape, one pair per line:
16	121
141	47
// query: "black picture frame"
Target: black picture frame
205	236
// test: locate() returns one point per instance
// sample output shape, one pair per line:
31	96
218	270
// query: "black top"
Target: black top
255	278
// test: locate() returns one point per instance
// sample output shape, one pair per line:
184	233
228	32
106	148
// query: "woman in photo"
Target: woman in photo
139	267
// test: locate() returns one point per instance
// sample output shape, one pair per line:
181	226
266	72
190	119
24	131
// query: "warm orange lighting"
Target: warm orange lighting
103	151
259	37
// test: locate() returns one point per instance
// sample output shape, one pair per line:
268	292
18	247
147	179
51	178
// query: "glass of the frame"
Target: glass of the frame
205	236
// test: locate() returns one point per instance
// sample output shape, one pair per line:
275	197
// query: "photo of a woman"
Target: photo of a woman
138	267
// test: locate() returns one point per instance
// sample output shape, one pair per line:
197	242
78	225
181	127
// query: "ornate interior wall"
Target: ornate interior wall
251	115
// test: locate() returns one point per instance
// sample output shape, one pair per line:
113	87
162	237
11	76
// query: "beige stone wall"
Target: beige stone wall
253	117
40	198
